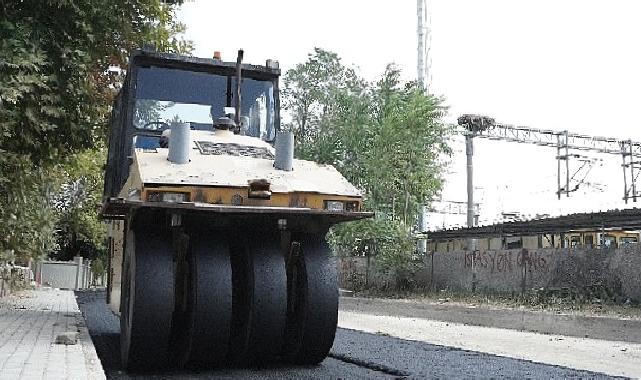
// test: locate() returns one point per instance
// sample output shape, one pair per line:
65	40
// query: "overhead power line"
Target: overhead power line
563	141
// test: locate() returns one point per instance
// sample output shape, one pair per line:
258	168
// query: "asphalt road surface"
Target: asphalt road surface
582	326
355	355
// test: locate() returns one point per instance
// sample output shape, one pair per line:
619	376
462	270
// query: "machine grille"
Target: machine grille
211	148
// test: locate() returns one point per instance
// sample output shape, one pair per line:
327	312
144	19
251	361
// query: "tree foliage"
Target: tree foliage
322	95
27	221
60	66
403	159
384	137
77	203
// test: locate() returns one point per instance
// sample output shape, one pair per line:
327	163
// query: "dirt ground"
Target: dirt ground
530	302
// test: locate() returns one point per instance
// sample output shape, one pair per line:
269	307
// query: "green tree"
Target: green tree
330	110
27	220
403	162
60	66
149	110
384	137
79	232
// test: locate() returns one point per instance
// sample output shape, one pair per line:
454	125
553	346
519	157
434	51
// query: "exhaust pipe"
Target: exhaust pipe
179	143
239	62
284	159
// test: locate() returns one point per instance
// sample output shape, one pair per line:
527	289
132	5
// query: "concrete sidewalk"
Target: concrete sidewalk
30	324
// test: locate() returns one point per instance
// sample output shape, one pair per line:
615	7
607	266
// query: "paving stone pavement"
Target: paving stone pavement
30	321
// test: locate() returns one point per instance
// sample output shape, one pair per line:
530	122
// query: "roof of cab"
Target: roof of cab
171	60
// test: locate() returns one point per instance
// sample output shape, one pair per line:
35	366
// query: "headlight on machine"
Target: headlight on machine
167	196
335	205
174	197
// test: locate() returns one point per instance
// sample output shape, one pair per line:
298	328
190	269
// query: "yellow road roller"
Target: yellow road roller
216	234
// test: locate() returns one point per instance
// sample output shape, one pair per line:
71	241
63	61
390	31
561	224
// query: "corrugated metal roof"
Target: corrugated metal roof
629	219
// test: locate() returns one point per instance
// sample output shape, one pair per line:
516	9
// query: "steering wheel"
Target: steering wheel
160	126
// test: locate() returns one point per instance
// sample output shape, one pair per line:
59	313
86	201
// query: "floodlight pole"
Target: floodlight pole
469	152
471	242
472	124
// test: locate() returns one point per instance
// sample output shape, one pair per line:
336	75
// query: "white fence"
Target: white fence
74	274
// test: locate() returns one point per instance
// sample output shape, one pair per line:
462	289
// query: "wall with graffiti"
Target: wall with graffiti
596	273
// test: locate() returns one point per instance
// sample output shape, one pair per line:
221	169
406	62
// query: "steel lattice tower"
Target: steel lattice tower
424	38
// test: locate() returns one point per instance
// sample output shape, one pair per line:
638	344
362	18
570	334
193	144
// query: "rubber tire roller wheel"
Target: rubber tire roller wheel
313	308
147	300
210	299
259	299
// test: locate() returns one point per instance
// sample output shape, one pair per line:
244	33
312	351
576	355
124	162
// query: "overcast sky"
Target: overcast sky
568	64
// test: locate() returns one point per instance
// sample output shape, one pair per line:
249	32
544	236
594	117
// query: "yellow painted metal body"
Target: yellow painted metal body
227	179
226	195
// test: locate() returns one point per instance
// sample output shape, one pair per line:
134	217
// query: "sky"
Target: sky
563	65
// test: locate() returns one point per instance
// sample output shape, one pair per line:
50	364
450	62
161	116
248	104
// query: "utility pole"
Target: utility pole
633	176
558	167
469	153
471	242
474	125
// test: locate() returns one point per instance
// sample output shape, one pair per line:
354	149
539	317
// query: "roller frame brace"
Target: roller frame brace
119	208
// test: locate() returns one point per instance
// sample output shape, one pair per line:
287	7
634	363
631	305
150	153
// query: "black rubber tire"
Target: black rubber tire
210	299
147	300
313	306
259	300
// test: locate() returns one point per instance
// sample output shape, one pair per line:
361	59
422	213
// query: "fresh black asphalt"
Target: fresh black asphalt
355	355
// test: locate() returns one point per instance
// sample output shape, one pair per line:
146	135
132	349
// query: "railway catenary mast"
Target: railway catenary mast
563	141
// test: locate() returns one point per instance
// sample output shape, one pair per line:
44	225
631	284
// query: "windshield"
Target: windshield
169	95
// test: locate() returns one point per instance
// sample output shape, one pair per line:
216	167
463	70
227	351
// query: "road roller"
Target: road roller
216	234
